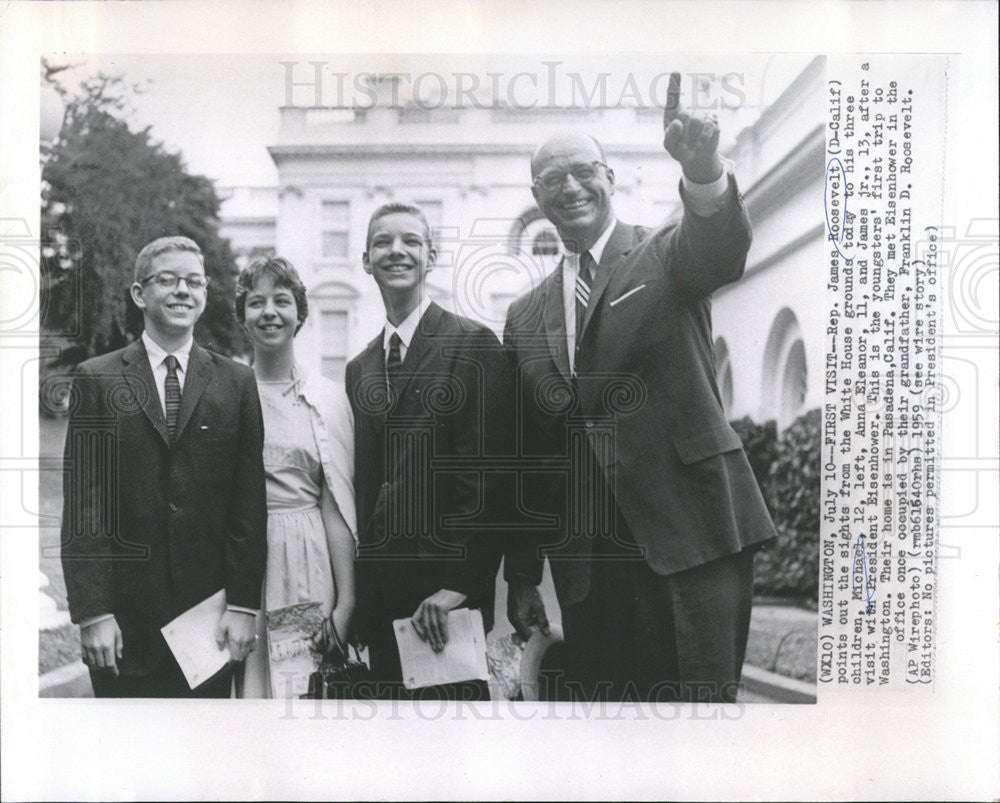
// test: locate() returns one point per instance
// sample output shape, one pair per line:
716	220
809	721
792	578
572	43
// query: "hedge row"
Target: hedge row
787	469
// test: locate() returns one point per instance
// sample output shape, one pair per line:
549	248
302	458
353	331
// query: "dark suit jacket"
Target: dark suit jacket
149	530
426	489
645	401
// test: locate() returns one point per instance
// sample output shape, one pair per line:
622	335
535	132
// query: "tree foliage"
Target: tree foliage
108	190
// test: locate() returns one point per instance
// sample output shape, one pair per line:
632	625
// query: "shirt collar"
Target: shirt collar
157	354
407	328
597	249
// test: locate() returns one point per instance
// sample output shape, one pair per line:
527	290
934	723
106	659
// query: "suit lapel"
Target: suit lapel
199	373
620	243
139	376
372	370
420	345
553	308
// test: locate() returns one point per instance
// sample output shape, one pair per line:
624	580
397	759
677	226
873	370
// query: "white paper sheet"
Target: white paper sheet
191	638
463	657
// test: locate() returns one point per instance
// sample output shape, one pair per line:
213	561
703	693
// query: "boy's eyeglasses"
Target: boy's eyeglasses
170	281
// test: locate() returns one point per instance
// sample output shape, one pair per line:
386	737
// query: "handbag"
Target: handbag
337	674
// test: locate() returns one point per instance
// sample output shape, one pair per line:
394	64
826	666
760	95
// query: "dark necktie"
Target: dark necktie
394	363
172	395
583	278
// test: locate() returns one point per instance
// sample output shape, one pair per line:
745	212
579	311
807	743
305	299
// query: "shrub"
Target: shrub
787	467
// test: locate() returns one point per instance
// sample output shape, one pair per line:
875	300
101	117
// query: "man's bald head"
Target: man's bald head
562	143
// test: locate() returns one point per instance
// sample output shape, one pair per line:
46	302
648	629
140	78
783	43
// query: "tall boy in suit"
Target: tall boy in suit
164	489
430	395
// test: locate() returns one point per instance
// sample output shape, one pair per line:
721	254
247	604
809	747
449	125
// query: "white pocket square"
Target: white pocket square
626	295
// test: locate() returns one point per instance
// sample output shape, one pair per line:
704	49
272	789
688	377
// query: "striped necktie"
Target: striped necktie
583	279
394	361
172	396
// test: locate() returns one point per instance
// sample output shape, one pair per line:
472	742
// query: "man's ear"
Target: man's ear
431	257
611	180
534	193
366	262
136	292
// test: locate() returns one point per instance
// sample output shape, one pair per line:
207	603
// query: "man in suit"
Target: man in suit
431	396
164	500
656	506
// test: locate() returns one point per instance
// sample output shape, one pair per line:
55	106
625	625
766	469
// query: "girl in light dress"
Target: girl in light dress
309	465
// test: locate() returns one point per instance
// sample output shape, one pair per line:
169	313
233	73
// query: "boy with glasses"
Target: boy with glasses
164	489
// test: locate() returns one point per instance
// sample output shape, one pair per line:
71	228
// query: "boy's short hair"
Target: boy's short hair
163	245
282	273
397	208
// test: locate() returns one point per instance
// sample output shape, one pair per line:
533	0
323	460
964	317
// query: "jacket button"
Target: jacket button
172	507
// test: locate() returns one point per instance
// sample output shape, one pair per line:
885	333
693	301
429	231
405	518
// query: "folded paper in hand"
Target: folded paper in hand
191	638
463	657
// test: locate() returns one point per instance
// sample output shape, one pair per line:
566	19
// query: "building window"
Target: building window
793	383
335	225
333	343
724	375
785	382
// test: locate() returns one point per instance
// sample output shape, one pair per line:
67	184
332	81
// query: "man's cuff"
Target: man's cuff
93	620
707	199
241	609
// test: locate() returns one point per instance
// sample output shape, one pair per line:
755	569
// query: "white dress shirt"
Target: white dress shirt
702	199
157	363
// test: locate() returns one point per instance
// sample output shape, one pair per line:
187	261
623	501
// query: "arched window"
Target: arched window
786	378
546	243
724	374
533	234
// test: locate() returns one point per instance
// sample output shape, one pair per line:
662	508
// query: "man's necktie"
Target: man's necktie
172	395
583	278
394	363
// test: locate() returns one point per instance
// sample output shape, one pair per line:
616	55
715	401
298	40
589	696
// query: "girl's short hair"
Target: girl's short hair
282	273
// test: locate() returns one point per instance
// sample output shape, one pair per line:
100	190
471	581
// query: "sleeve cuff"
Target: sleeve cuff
241	609
706	200
522	575
93	620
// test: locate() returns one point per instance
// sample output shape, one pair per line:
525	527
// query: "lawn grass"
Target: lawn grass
52	434
58	647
